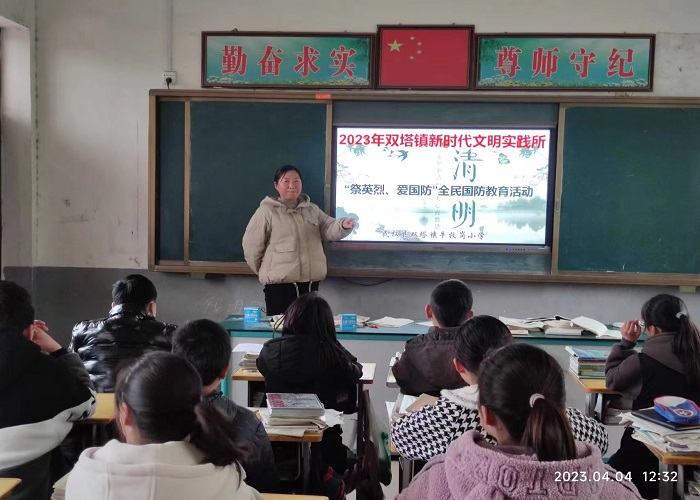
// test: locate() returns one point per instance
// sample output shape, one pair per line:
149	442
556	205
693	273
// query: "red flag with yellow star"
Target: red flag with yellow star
421	56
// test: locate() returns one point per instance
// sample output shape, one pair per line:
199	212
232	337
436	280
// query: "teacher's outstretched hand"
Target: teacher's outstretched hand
283	241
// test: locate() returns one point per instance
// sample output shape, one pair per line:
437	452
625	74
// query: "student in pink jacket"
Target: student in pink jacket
521	401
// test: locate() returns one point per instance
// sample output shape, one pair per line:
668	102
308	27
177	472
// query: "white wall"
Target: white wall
17	11
16	168
98	59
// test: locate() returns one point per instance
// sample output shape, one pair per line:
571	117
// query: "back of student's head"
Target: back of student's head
206	345
477	338
163	392
135	289
16	309
451	303
669	314
310	315
523	386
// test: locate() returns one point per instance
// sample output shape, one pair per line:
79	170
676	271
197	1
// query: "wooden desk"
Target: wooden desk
7	485
368	370
390	379
248	375
591	387
671	463
104	415
253	376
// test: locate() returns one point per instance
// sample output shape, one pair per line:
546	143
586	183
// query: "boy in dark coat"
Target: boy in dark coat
207	346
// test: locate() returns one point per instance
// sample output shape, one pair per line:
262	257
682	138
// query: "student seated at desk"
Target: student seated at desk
427	432
207	346
130	331
175	446
43	390
667	365
425	367
521	402
308	358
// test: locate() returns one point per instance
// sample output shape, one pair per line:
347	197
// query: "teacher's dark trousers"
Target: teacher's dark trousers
278	297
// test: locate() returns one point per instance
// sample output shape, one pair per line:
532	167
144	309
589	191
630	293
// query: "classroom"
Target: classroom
75	78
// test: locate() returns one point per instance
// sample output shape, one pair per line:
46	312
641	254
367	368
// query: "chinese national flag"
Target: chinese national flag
424	57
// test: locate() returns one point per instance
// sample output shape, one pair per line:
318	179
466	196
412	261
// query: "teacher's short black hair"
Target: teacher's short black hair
284	169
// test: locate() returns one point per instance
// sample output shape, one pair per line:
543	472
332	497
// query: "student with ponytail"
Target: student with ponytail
422	434
521	402
667	365
175	446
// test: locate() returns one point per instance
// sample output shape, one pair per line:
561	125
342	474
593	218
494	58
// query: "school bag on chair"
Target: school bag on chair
373	466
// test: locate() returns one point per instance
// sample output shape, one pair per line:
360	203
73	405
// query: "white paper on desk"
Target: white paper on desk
248	348
389	322
425	323
522	324
286	431
596	327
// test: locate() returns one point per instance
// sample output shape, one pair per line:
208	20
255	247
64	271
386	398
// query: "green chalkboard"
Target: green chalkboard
170	180
630	198
236	147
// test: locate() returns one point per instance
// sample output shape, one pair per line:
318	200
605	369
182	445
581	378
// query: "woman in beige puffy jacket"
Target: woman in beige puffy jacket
283	241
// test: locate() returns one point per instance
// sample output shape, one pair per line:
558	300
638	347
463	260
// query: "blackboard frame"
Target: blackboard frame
551	274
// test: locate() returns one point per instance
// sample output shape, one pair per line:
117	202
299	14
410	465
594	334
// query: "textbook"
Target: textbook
283	404
587	363
561	327
651	415
588	354
594	326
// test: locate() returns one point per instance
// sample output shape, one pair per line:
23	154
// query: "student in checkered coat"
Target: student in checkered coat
422	434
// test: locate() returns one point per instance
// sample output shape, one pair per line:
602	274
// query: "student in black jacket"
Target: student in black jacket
426	363
131	330
308	358
43	390
207	346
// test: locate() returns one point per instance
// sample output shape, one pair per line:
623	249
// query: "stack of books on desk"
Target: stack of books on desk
249	360
288	405
559	325
587	363
294	414
655	430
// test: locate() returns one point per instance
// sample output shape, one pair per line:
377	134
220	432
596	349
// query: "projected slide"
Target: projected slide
443	185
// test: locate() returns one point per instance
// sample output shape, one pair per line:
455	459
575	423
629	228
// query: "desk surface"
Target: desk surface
236	327
308	437
253	375
7	485
592	385
104	413
391	379
675	458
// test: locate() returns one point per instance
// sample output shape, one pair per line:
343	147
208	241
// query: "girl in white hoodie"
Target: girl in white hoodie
175	446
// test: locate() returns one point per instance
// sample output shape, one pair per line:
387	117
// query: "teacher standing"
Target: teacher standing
283	242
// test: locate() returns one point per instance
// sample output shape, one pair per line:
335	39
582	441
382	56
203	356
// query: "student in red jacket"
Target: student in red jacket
426	363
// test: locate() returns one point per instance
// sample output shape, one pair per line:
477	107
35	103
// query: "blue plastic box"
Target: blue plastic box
348	321
251	315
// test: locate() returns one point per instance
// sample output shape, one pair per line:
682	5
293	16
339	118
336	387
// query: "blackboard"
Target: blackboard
628	179
170	179
236	147
630	196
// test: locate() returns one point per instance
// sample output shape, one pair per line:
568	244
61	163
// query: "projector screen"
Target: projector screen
445	186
